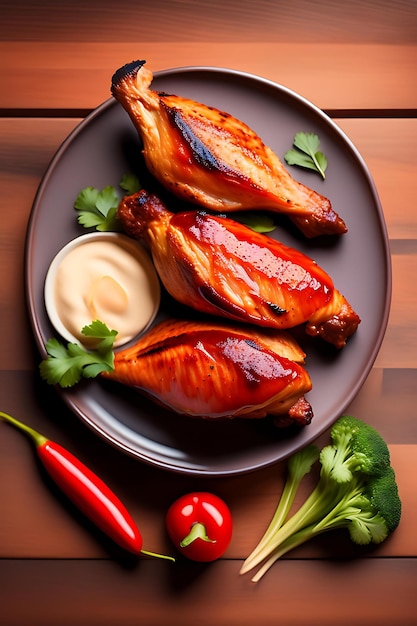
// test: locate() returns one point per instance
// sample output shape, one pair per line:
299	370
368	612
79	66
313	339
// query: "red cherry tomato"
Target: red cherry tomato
200	525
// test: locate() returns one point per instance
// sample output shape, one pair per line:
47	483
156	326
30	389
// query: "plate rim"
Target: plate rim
384	240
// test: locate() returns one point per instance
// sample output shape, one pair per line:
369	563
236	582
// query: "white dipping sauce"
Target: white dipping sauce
106	277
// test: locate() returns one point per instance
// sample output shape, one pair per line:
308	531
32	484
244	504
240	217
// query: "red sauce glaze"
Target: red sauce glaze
287	284
209	372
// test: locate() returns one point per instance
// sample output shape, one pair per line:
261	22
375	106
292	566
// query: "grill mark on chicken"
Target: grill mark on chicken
199	152
276	308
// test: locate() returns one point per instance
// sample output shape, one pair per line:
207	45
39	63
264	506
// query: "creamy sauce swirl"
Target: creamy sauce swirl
108	278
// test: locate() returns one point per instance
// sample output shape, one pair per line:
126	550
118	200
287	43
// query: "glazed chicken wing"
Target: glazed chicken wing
210	158
221	267
211	370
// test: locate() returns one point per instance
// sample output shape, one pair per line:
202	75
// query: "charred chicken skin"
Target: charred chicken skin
211	370
208	157
221	267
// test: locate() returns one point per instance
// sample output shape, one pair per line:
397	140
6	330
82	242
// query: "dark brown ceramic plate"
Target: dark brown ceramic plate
103	148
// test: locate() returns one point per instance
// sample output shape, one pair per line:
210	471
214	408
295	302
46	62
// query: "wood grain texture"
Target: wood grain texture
330	52
192	20
333	76
369	592
387	146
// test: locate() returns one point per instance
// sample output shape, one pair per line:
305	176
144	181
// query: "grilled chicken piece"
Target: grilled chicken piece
221	267
211	370
210	158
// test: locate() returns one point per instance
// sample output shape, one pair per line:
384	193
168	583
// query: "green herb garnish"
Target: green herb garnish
308	154
65	366
98	209
130	183
259	222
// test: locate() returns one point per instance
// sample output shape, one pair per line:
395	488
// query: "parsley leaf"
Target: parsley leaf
130	183
307	154
259	222
65	366
98	209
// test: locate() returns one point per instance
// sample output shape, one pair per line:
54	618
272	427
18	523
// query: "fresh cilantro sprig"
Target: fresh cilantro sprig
307	155
66	365
98	209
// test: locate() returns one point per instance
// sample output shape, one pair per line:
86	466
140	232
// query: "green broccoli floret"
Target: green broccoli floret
384	497
357	490
356	447
370	508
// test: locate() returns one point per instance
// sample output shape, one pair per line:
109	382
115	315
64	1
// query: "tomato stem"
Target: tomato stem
197	531
33	434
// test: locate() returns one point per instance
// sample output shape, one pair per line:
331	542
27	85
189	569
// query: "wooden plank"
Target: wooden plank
26	148
400	341
193	20
372	592
387	146
43	75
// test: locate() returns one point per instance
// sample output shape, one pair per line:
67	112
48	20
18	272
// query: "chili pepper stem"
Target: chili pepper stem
158	556
33	434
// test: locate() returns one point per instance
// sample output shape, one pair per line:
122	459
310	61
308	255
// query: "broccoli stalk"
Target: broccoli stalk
299	464
356	490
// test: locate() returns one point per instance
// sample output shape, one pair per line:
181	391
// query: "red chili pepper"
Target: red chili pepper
200	526
87	491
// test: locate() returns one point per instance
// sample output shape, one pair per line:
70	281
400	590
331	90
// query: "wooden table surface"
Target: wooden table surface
355	60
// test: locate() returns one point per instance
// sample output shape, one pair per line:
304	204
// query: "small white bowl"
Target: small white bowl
112	280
